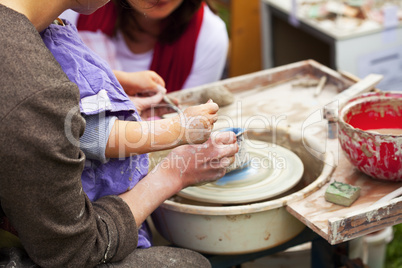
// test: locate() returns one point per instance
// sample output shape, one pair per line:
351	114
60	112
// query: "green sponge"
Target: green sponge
342	194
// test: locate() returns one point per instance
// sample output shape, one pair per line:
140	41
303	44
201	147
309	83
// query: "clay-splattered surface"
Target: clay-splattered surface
337	223
274	97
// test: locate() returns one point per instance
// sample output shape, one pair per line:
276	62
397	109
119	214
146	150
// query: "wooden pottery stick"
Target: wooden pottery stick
167	99
320	86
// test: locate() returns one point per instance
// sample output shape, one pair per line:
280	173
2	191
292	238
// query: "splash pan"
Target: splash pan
271	170
214	228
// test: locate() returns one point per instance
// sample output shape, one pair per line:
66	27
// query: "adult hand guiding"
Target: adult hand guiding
202	163
184	166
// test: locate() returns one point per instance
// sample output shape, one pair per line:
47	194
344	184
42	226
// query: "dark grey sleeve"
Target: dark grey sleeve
96	134
41	162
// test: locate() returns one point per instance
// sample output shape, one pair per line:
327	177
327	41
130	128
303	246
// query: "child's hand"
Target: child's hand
139	82
146	103
143	88
196	122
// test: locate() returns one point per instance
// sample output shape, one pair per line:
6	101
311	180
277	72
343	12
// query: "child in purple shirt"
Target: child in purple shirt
116	141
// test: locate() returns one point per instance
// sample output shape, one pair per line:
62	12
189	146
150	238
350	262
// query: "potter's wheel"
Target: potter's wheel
271	170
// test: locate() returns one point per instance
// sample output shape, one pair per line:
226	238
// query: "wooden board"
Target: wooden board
336	223
269	98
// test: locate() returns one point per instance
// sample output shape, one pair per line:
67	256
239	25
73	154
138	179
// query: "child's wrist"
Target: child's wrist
179	129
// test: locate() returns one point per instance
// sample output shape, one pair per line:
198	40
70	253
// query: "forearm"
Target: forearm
193	126
132	137
184	166
150	192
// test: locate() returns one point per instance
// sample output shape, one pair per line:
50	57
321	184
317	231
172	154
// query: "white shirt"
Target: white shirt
209	59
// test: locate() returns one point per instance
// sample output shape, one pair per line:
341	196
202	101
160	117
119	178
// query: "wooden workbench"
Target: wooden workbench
336	223
270	94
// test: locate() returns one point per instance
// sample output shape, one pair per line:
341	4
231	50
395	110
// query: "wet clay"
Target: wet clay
220	95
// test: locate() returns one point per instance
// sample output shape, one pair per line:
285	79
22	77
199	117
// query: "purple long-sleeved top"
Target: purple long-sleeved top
100	93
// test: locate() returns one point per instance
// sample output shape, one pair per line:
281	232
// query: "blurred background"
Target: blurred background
355	36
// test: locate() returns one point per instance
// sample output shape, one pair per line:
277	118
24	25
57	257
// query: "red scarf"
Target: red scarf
173	62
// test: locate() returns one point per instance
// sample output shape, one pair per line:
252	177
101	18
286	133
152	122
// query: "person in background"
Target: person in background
183	41
43	207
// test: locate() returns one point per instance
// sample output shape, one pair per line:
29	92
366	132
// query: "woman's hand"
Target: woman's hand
155	110
142	88
146	103
139	82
